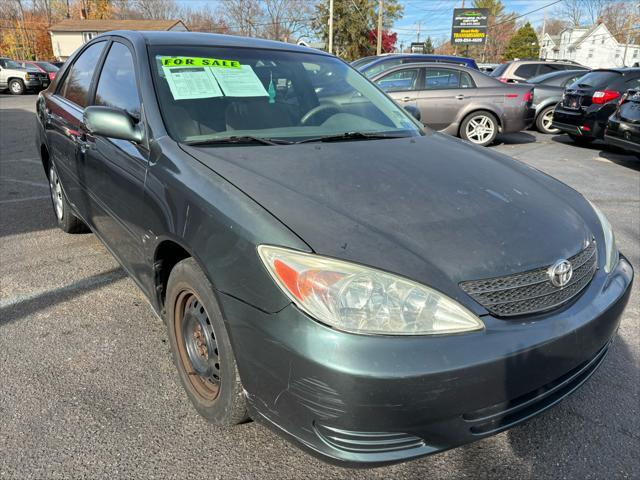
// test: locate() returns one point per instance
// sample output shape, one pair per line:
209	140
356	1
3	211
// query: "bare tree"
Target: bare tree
243	17
572	11
287	19
156	9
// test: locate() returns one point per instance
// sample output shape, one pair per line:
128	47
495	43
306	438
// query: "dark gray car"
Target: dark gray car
547	92
459	101
371	290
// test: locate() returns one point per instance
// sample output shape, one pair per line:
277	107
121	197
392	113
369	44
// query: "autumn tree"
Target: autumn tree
389	40
352	21
524	44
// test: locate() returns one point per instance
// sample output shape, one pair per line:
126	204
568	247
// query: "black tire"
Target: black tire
16	86
487	137
541	121
205	361
62	211
580	140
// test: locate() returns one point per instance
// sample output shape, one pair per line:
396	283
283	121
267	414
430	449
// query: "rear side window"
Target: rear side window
439	78
596	79
117	85
527	70
632	83
548	68
76	84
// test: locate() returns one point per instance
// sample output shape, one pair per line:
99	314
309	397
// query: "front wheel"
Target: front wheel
479	128
67	221
544	121
201	347
16	87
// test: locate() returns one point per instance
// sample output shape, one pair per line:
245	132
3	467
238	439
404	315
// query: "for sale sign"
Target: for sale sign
469	26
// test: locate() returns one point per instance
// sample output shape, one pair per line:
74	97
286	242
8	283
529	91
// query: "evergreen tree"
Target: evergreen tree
428	45
524	44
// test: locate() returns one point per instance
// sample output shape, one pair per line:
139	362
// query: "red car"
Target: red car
45	67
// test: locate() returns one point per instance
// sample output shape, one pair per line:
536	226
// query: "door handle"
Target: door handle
407	99
460	97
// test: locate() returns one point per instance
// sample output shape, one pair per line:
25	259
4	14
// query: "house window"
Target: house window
593	40
635	53
590	54
86	36
617	53
602	41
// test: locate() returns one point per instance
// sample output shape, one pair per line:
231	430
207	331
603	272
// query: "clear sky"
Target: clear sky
434	16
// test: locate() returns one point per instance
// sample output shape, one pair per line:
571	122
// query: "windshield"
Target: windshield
47	67
499	70
371	70
213	93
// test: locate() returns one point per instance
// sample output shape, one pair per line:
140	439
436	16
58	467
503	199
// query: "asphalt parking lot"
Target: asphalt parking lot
88	389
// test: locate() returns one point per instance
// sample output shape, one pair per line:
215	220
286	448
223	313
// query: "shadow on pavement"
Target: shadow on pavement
516	138
23	307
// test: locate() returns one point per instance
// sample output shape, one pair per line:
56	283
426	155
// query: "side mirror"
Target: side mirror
413	111
112	122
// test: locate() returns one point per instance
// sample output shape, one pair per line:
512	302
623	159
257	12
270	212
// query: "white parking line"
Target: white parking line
26	160
26	182
23	199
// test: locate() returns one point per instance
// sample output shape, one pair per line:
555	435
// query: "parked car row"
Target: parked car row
20	76
452	95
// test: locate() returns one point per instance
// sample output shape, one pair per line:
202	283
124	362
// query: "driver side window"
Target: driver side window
399	81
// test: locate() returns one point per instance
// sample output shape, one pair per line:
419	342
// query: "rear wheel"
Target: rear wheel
201	347
544	120
580	140
479	128
67	221
16	87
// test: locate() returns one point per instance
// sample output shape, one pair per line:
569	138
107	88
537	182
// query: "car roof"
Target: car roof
153	38
422	55
431	65
618	70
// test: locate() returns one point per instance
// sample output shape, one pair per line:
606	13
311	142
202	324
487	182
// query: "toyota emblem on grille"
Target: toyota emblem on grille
560	273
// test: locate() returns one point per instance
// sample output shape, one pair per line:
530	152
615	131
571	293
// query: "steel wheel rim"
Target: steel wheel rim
480	129
547	120
197	346
15	87
56	193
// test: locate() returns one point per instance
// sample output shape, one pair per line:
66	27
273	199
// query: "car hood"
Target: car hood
432	208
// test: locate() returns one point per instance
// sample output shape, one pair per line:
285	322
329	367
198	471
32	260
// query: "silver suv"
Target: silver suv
521	70
18	79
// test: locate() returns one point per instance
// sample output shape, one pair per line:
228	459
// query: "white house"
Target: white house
70	34
593	47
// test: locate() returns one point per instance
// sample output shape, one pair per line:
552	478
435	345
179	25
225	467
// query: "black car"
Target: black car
623	128
547	92
372	290
588	103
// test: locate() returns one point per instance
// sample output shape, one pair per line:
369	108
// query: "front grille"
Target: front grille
499	417
532	291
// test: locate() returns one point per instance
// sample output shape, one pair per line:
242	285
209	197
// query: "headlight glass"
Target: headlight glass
359	299
611	250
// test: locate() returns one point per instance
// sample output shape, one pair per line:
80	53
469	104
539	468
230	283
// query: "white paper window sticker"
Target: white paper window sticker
188	83
239	82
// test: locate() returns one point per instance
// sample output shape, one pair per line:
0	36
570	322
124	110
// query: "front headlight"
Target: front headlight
359	299
611	251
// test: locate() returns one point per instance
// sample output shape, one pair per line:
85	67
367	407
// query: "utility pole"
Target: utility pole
330	26
544	27
379	39
418	35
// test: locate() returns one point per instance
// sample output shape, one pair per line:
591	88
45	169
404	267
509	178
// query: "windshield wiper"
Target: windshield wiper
351	136
240	140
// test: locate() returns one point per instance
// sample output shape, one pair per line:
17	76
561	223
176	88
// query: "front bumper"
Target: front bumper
360	400
36	84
